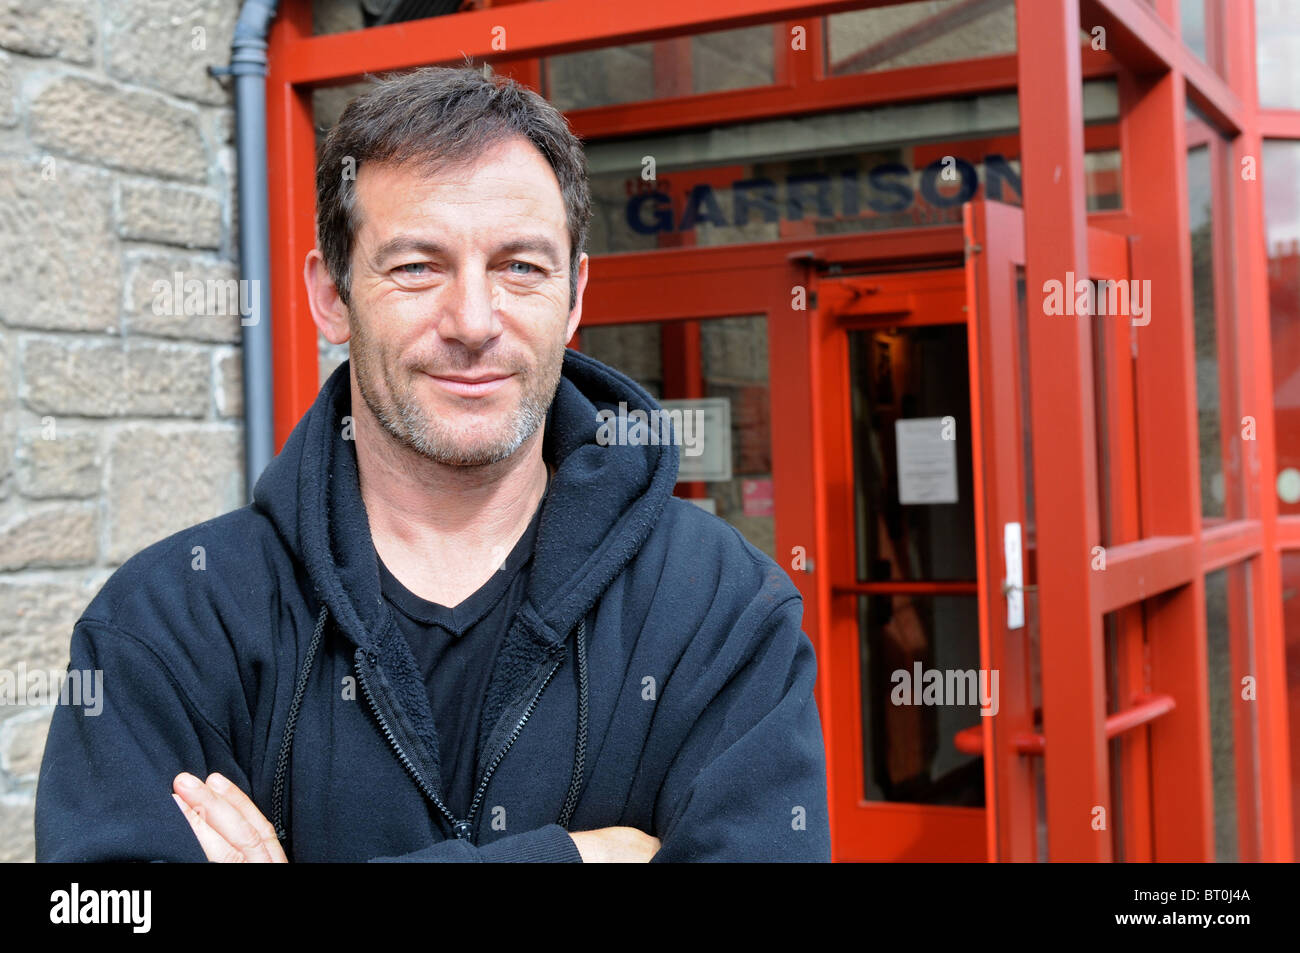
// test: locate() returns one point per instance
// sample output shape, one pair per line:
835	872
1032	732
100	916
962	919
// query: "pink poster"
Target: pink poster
757	496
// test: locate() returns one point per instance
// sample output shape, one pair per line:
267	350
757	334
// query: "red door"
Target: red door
905	602
1014	740
933	648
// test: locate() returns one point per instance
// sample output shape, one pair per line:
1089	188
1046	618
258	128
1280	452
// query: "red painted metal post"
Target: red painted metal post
1260	464
1064	441
1156	191
291	173
798	489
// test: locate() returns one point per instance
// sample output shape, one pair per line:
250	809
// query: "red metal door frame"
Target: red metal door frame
1006	413
994	251
876	830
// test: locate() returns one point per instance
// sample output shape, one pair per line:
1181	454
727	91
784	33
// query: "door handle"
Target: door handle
1013	587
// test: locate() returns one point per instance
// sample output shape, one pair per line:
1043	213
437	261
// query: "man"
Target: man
454	625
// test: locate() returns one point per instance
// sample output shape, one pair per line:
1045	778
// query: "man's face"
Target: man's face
460	302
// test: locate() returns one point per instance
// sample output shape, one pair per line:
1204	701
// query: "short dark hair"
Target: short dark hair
439	116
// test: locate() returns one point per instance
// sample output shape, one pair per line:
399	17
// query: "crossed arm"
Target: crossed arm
746	780
231	829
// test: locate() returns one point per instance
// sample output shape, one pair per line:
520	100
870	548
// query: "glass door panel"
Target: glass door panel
915	523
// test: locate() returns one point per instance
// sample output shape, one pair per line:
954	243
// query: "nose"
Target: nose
469	309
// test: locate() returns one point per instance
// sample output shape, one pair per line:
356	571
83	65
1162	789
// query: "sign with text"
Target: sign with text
706	449
927	461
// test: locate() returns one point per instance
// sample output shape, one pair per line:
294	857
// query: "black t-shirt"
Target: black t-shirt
455	649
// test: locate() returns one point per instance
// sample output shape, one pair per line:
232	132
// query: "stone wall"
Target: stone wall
118	424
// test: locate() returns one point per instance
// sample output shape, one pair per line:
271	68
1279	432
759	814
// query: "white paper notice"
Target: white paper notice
927	463
705	428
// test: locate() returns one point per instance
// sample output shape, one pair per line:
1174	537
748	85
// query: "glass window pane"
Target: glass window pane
1192	13
733	366
1102	401
662	69
1219	665
1234	738
1218	423
1281	174
1202	28
1207	351
1277	53
336	16
634	349
907	729
860	170
912	376
917	34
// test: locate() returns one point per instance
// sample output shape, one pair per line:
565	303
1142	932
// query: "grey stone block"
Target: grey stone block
58	258
62	28
94	379
164	479
169	44
69	465
135	131
49	534
164	301
155	212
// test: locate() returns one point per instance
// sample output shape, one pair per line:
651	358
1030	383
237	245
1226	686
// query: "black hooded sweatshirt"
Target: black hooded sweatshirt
654	676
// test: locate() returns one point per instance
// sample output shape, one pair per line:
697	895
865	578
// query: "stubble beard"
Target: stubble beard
399	411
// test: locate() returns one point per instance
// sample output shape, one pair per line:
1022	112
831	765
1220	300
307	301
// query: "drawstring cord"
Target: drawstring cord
286	746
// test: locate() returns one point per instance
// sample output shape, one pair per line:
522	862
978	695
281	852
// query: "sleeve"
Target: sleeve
749	781
104	789
549	844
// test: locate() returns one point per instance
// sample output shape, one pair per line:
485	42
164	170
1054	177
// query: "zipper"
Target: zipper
528	713
431	794
462	829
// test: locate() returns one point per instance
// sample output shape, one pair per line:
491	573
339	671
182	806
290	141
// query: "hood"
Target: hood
602	504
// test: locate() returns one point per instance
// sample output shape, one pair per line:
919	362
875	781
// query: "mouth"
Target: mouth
477	385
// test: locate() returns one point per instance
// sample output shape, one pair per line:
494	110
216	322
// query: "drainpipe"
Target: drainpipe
248	67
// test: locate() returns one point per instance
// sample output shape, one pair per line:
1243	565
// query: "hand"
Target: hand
615	845
230	828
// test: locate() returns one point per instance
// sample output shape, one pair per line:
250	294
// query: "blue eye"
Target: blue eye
528	265
414	264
